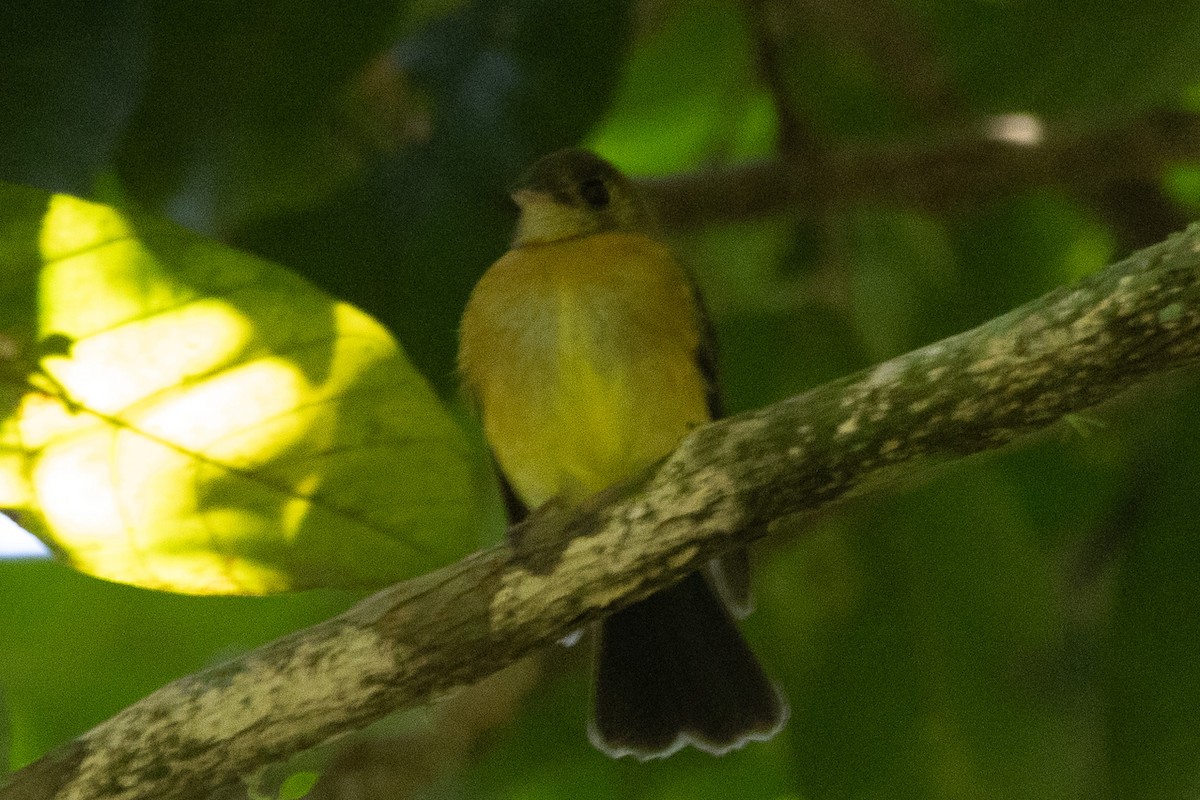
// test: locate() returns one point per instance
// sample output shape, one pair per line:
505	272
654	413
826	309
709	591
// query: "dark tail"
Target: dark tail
674	670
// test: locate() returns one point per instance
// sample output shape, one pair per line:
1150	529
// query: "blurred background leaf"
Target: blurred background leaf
1016	626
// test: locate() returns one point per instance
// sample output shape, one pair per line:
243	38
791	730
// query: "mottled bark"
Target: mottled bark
1067	351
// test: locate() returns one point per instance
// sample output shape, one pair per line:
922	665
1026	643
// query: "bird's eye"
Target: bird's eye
594	193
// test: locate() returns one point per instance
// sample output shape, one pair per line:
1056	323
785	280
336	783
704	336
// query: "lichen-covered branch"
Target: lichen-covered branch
411	643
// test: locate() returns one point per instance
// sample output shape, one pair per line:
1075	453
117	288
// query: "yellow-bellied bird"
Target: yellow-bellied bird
589	356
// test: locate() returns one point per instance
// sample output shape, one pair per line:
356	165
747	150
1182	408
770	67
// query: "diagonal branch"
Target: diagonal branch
413	642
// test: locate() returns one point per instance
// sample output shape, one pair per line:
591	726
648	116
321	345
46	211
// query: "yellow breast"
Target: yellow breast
582	357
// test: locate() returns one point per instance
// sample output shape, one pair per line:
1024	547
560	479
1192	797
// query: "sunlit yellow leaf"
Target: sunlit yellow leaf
206	421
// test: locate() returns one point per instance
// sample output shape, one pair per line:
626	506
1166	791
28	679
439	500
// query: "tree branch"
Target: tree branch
413	642
939	175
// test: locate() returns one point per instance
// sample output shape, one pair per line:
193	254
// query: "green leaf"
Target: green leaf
298	785
217	425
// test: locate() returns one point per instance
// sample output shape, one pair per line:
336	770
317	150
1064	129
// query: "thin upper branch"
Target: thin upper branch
936	174
413	642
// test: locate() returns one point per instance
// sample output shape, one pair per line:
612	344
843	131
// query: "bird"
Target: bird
588	354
